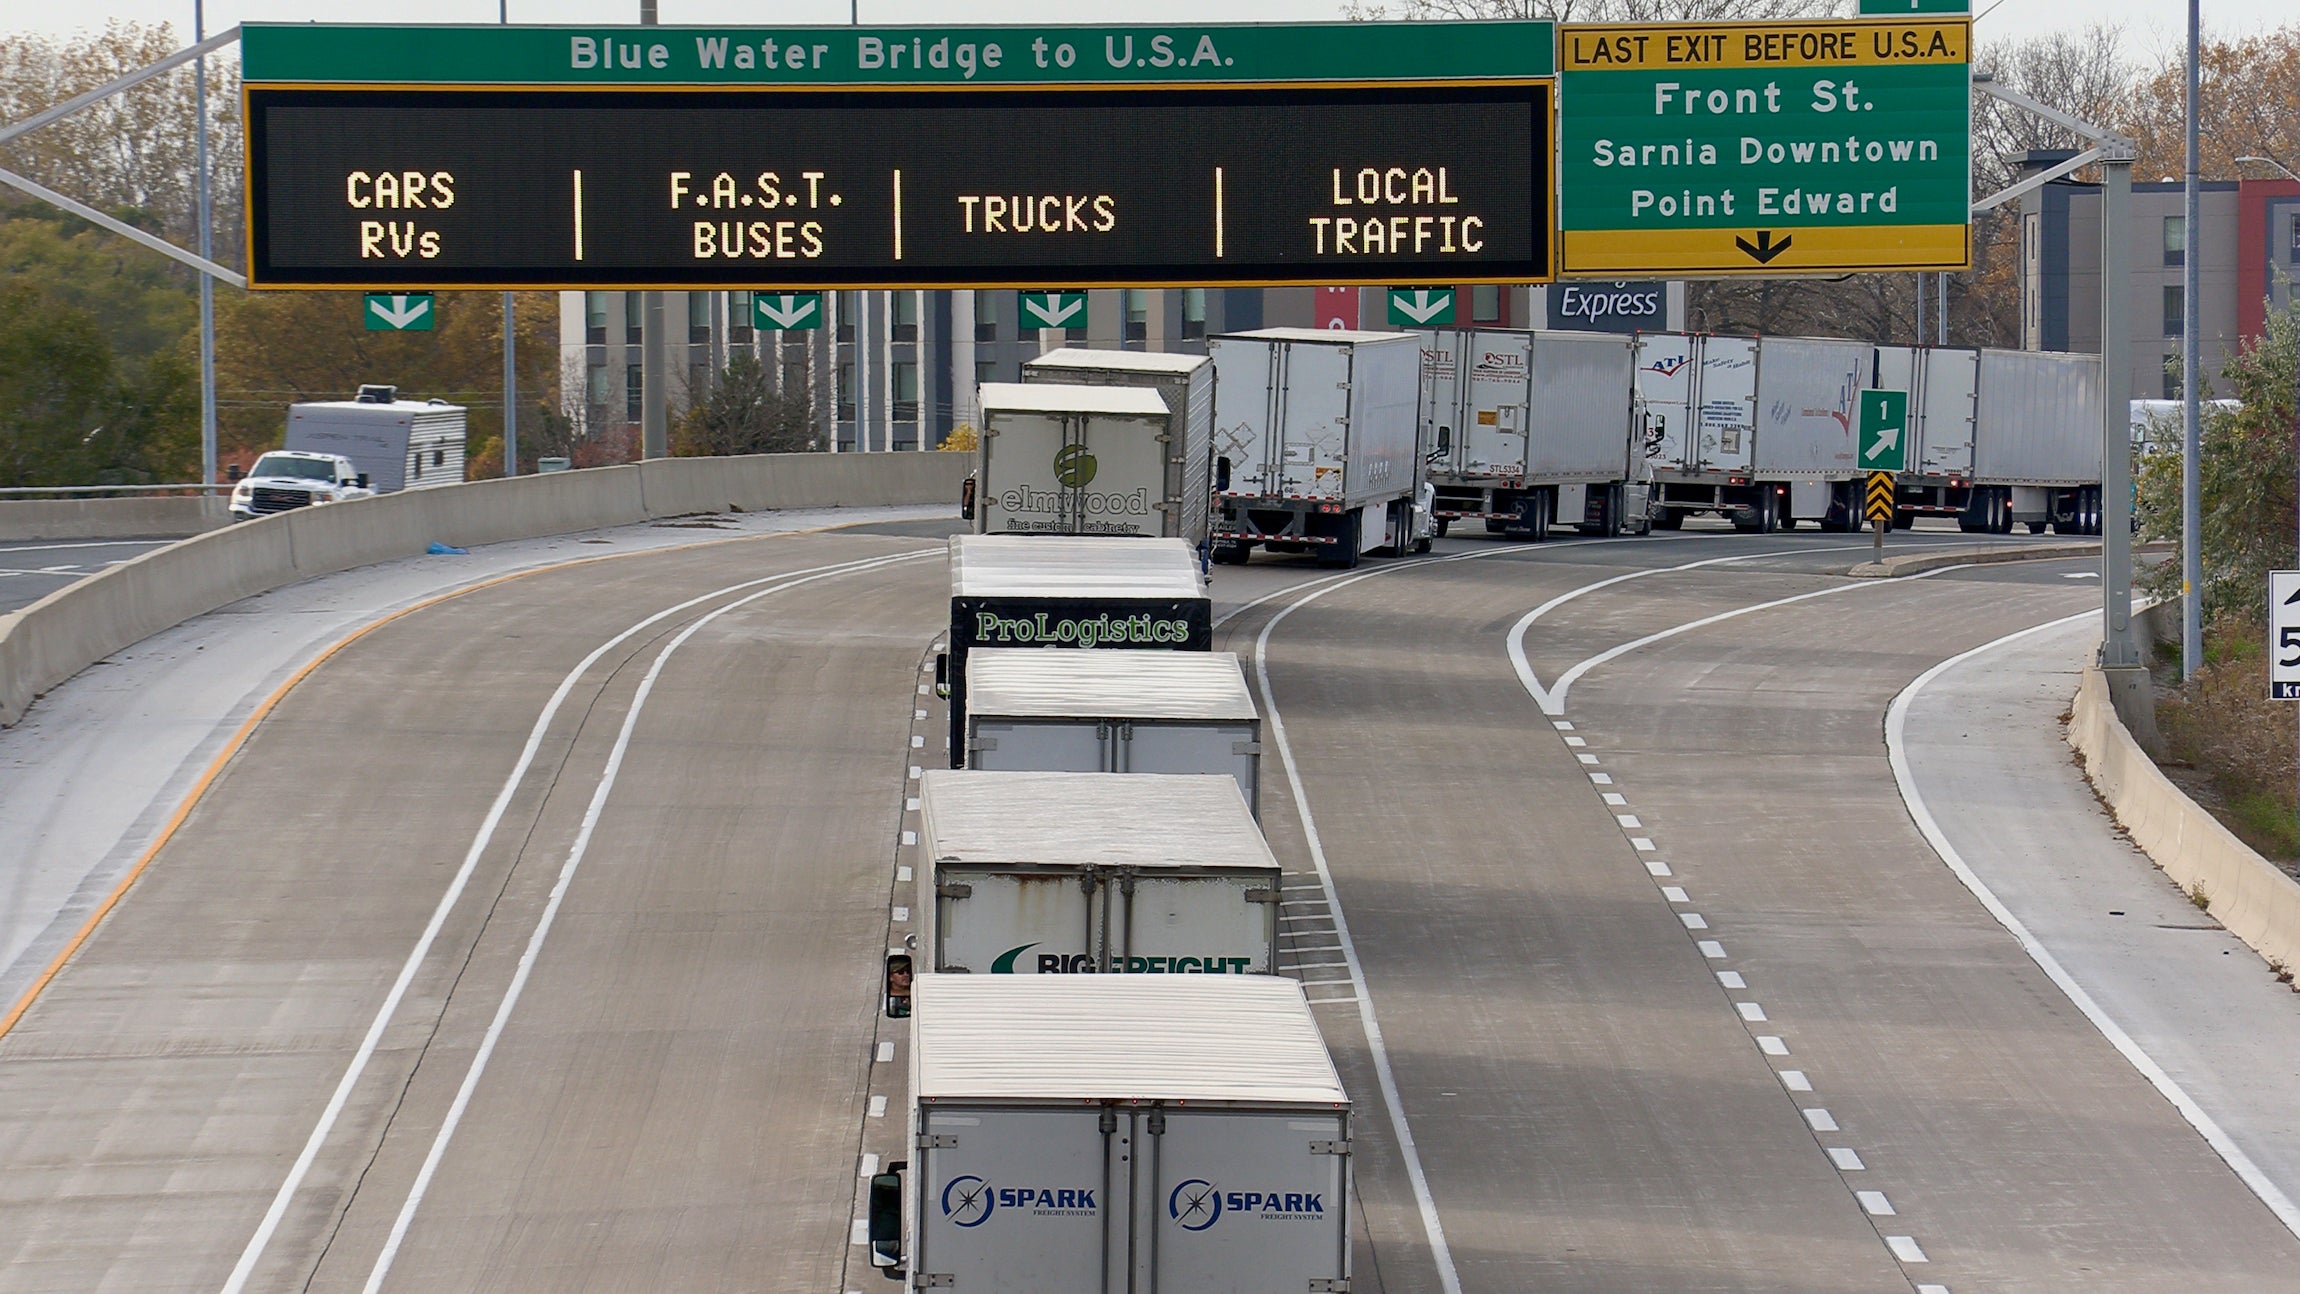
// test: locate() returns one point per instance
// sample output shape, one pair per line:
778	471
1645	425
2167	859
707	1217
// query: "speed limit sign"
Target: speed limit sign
2284	635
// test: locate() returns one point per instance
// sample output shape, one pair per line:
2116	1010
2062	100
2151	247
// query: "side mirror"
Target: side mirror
885	1224
1222	474
235	473
898	976
966	499
942	674
362	481
1445	440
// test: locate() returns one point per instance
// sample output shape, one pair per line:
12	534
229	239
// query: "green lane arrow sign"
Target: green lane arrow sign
1765	148
399	312
1420	307
1884	431
786	311
1054	310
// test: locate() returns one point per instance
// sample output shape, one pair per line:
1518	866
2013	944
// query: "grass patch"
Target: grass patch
2239	744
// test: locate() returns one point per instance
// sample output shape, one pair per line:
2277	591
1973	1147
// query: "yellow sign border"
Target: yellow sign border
1824	249
1734	54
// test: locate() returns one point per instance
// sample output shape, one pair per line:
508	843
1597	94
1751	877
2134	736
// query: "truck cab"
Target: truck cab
286	479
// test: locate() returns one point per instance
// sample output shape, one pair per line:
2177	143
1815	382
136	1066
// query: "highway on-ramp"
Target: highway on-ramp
531	942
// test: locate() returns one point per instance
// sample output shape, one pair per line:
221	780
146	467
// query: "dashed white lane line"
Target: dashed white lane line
917	742
1875	1204
1732	979
1561	725
1846	1159
1628	820
886	1053
1657	867
918	714
860	1235
910	804
1771	1045
1693	920
1795	1080
1602	779
1820	1120
1575	741
914	772
1614	798
878	1106
902	874
1751	1012
910	837
1586	758
1675	894
1712	950
1906	1249
901	915
1642	844
869	1166
1932	1289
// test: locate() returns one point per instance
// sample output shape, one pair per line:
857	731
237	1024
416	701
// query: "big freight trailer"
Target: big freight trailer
1117	1134
1060	459
1113	712
1526	429
1316	444
1066	591
396	444
1186	384
1072	873
1999	437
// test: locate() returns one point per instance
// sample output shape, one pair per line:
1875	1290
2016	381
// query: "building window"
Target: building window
634	392
985	371
1193	313
986	315
2172	301
698	316
2175	239
632	319
848	302
597	389
1137	314
905	390
1485	303
905	316
739	316
846	393
2296	240
595	318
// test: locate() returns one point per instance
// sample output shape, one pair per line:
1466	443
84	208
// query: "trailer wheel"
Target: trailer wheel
1669	519
1608	514
1232	552
2036	527
1343	553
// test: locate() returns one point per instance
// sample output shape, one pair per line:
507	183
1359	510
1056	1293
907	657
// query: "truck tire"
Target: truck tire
1533	516
1343	553
1608	515
1230	553
1669	519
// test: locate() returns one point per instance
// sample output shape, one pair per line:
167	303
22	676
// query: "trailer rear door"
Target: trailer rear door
1665	369
1314	419
1947	401
1493	433
1204	923
1017	1201
1727	417
1013	922
1080	746
1441	398
1248	1201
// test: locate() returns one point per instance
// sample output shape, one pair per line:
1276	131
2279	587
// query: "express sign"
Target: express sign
1719	148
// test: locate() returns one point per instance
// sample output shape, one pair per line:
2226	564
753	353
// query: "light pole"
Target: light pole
2191	359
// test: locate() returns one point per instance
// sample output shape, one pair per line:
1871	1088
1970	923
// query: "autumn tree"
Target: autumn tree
739	411
2249	105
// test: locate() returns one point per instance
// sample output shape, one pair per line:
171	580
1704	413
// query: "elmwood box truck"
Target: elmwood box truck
1060	459
1078	873
1316	444
1069	591
1117	1134
1527	429
1186	384
1113	712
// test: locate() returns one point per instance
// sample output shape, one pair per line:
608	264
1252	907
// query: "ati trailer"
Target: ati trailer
1082	873
1068	591
1113	712
1117	1134
1529	429
1316	444
1697	412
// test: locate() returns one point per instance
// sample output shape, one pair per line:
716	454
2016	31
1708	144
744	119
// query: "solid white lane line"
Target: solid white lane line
265	1229
576	852
1448	1279
1896	752
1906	1249
1846	1159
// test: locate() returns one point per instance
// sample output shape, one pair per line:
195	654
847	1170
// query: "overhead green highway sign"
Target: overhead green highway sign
399	312
1053	309
1420	307
1765	147
786	311
786	56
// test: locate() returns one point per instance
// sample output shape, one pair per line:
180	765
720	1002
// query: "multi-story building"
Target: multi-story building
898	370
2248	254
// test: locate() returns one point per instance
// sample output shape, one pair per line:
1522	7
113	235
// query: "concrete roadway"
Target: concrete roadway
31	571
678	1099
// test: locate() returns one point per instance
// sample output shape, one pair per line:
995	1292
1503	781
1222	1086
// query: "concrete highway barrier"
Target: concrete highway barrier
22	520
2250	896
71	629
1984	555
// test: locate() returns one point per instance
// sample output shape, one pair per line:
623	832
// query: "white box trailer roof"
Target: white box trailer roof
1067	397
1088	819
1186	383
1072	566
1233	1040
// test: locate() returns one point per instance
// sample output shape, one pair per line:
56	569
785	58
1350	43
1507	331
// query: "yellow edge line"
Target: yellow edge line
239	738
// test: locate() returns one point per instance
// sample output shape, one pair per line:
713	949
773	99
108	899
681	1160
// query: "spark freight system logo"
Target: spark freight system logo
1197	1204
969	1201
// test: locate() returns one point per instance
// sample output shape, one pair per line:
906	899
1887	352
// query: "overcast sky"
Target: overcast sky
2152	26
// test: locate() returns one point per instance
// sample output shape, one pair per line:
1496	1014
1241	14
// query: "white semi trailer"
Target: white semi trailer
2002	437
1062	459
1113	712
1117	1134
1697	406
1077	873
1184	489
1528	429
1316	444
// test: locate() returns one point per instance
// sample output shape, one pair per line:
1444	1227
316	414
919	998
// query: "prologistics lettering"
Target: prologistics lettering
1043	628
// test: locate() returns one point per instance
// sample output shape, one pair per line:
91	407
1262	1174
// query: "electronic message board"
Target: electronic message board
946	157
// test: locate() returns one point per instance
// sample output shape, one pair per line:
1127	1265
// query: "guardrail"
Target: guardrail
42	491
65	632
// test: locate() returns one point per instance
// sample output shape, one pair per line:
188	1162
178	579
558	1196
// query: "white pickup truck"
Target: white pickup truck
286	479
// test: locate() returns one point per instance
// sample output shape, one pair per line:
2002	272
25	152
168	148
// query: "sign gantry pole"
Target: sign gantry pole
654	399
510	346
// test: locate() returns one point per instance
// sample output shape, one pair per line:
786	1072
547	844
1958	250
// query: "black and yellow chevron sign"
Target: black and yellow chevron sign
1880	505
